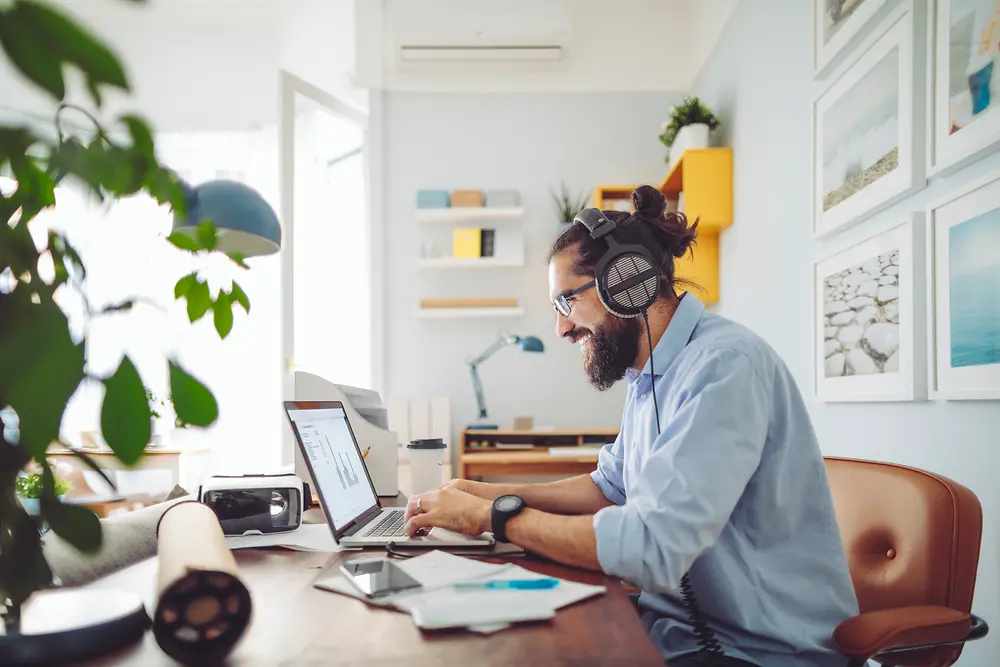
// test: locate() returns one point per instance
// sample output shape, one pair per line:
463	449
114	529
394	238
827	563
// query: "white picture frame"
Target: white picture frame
969	329
827	51
864	159
951	149
869	303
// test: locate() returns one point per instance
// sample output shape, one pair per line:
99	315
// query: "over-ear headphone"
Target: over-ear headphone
627	277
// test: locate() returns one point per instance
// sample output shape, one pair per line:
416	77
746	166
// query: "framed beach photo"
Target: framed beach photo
868	125
869	310
966	83
964	266
836	24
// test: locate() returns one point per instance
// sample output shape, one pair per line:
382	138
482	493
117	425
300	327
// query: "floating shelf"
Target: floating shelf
467	313
470	214
469	263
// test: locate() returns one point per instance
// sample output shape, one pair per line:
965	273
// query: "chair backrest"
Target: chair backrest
911	537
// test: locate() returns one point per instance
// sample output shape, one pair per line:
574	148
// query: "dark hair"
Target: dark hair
666	235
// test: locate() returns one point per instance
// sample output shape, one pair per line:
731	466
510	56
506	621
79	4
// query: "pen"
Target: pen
520	584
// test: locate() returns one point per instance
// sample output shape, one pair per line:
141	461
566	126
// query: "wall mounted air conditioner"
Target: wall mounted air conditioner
480	53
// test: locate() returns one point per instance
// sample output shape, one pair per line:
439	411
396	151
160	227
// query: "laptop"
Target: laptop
346	493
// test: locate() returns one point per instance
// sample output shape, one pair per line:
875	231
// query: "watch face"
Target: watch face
508	503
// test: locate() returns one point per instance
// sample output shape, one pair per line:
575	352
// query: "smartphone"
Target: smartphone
378	578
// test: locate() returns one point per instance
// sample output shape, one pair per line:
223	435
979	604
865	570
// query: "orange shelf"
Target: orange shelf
705	176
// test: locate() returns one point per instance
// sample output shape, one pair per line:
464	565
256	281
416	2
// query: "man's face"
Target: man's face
609	344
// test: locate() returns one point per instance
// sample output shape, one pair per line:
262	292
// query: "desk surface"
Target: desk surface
296	624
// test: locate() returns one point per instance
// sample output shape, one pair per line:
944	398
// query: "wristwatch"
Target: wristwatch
504	509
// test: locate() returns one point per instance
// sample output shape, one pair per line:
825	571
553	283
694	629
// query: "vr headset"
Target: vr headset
256	504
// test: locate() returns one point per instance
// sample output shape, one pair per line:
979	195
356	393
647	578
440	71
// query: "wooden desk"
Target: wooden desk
296	624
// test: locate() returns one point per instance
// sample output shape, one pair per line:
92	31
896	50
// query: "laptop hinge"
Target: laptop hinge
362	522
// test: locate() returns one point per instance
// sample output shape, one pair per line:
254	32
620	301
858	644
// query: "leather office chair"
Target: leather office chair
912	540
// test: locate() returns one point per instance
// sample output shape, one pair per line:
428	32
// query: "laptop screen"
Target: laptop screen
337	467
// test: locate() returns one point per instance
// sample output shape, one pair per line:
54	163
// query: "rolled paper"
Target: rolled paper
203	606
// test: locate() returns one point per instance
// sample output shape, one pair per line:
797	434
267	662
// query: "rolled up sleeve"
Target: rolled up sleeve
710	445
609	474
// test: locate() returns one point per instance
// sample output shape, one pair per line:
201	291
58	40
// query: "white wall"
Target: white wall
528	142
759	80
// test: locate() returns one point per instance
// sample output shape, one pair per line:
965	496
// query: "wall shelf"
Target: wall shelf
460	214
467	313
469	262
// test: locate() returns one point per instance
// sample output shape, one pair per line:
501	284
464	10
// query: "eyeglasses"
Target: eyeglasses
563	303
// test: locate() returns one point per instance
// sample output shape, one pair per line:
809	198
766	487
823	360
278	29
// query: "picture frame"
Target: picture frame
963	260
847	20
868	134
964	111
869	317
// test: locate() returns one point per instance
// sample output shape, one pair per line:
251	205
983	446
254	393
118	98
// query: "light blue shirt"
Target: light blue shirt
733	489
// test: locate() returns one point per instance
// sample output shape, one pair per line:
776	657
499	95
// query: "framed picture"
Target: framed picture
966	83
869	308
868	132
836	23
964	265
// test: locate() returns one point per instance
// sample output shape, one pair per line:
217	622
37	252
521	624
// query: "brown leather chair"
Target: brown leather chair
912	540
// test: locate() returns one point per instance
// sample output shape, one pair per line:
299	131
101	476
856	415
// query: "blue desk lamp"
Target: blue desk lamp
524	343
245	223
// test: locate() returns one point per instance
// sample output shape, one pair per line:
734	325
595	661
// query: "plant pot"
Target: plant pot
31	505
690	136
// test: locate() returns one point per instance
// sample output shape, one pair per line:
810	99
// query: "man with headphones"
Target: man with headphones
713	500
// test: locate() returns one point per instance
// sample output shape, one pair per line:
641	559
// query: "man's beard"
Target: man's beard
609	351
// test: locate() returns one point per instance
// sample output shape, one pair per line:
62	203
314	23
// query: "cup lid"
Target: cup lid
428	443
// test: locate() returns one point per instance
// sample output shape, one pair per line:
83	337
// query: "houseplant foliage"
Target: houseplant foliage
567	205
689	112
42	362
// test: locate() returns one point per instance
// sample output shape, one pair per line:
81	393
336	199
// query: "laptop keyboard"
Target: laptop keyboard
391	525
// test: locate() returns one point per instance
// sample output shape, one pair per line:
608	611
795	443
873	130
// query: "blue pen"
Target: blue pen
519	584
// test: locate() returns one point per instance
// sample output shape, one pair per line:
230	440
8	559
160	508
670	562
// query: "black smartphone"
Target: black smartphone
378	578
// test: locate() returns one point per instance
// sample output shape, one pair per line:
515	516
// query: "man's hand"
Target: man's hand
448	508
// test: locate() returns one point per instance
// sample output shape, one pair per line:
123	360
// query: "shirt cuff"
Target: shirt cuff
608	527
609	490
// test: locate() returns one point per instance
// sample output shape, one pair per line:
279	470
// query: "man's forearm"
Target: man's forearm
566	539
575	495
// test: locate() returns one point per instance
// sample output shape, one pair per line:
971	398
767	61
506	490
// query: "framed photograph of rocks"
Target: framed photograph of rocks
869	310
836	24
966	88
964	265
868	125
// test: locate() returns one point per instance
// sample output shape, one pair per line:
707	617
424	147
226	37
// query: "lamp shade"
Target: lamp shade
245	223
530	344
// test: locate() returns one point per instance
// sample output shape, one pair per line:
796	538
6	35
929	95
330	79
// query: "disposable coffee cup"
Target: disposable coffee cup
426	464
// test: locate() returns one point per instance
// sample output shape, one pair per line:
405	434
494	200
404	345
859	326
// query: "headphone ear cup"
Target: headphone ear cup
628	281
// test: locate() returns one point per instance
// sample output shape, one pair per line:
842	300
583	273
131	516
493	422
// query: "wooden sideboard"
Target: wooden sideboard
498	453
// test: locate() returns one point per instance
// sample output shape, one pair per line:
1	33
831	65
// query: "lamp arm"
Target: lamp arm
477	386
494	347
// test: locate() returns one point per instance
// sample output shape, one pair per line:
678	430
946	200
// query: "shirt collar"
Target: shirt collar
676	337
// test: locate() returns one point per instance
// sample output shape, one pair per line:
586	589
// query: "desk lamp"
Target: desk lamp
244	222
525	344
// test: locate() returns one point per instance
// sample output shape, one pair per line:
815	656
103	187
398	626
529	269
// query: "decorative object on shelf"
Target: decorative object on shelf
473	242
689	125
502	199
567	206
524	423
43	359
869	305
461	198
614	197
966	97
156	405
525	344
868	126
837	24
29	491
469	302
433	199
965	299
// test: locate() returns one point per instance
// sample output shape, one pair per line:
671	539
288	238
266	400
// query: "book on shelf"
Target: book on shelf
468	302
473	242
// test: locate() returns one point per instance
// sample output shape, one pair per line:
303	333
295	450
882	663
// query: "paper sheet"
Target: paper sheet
307	537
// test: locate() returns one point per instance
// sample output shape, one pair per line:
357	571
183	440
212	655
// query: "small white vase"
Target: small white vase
690	136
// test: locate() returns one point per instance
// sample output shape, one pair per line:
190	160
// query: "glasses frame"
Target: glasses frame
563	304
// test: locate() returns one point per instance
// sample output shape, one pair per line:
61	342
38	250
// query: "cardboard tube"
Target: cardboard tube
203	607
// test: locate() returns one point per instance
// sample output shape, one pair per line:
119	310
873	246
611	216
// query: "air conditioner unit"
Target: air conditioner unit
480	53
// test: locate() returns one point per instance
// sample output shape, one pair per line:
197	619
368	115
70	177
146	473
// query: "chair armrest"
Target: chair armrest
868	634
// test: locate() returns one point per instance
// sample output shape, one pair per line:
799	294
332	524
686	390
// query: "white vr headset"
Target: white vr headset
256	504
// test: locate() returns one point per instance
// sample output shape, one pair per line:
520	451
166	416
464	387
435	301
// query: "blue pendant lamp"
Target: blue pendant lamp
245	223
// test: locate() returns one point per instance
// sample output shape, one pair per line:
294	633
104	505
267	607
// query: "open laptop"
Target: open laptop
345	489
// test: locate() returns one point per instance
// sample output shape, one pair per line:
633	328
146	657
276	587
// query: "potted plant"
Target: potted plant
689	125
567	206
29	491
162	434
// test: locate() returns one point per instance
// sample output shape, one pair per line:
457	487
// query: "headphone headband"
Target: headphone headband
596	222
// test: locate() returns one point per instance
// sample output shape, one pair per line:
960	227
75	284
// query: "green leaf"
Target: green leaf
40	365
193	402
238	259
184	285
22	562
207	236
240	297
142	136
223	308
73	44
164	186
77	525
28	49
125	418
184	242
198	301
